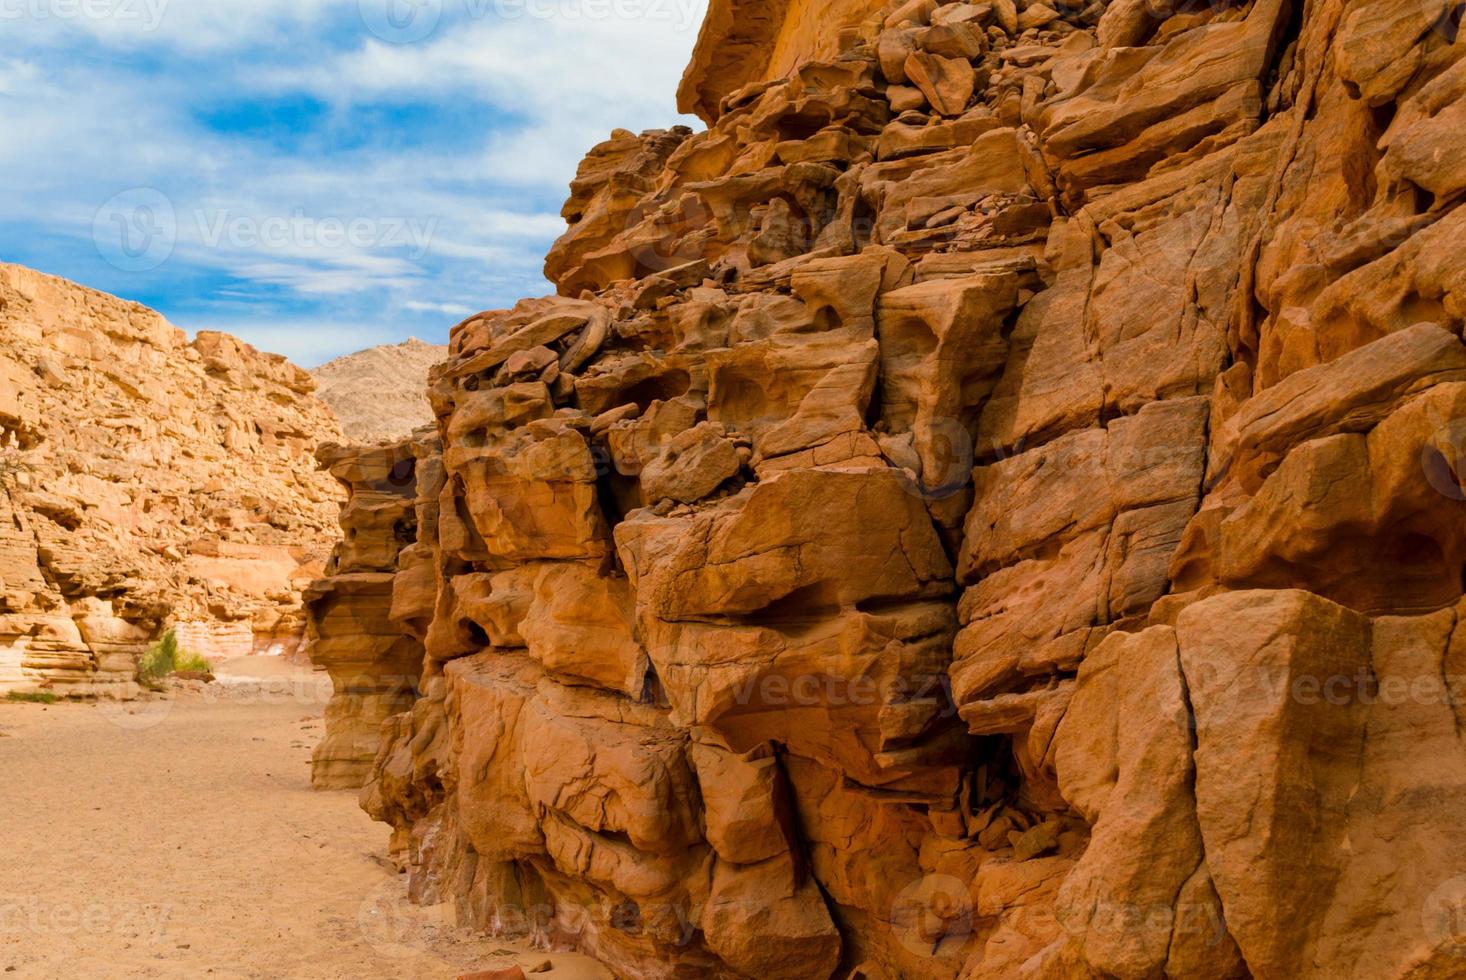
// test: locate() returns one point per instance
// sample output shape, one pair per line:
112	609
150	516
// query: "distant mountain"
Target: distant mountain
380	393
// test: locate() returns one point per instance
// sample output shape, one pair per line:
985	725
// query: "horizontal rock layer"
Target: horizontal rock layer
989	506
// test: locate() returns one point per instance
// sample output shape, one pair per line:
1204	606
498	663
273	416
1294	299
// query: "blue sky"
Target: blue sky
316	176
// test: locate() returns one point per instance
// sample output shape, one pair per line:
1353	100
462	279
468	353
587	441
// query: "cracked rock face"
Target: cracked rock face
147	482
989	506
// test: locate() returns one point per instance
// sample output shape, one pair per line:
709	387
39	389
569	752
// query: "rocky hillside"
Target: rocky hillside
145	482
380	394
990	506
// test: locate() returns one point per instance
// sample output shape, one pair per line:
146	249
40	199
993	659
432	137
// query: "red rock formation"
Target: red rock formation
744	42
990	506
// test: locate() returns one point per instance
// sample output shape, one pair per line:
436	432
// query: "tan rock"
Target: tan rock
953	40
905	97
942	348
1358	517
947	83
1006	12
580	627
893	47
760	925
1124	759
147	483
1352	394
1037	15
497	973
693	465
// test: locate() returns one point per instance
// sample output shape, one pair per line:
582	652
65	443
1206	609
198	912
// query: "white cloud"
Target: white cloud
16	76
321	279
82	128
573	80
451	309
190	25
307	342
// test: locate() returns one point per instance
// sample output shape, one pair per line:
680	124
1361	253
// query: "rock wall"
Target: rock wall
990	506
146	481
370	645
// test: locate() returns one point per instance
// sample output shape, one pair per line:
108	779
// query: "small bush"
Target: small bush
161	660
37	697
192	663
167	658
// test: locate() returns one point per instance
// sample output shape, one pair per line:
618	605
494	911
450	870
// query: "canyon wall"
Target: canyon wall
147	482
362	637
990	506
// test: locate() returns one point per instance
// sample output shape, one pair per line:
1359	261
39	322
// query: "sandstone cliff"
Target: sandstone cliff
990	506
356	630
145	482
380	394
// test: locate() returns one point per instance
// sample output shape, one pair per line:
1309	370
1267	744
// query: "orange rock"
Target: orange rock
947	83
992	508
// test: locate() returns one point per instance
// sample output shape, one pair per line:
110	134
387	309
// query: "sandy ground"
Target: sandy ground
181	838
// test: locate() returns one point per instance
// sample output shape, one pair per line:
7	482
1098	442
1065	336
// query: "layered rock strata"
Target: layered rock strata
358	634
989	506
145	482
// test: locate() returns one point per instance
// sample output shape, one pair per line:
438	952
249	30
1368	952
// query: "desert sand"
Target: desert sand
181	838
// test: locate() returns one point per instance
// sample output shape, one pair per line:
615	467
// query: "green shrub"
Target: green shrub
192	663
161	660
37	697
167	658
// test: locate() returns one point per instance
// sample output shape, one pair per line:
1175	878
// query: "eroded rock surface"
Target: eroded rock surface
990	506
146	481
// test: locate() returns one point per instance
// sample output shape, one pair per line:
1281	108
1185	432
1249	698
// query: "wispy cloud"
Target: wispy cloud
448	309
277	169
16	76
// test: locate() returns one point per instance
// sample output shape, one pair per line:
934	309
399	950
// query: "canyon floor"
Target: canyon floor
181	838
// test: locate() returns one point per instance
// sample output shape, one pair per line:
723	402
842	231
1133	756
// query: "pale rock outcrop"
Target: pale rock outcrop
990	506
380	394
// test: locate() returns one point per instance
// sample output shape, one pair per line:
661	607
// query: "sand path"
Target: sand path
182	839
